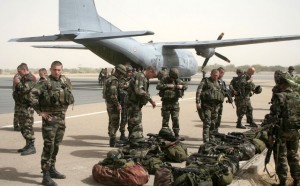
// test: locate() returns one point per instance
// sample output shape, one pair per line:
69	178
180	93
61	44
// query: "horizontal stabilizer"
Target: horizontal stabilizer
60	46
50	38
111	35
228	42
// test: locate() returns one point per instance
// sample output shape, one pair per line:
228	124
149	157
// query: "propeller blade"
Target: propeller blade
205	63
222	57
220	36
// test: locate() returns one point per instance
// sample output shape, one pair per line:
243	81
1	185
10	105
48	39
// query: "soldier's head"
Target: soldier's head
250	71
150	72
56	69
174	73
214	74
291	69
23	69
282	81
120	70
239	71
129	70
221	72
42	72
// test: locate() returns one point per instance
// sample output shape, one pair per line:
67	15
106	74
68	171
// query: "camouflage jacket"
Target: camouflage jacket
22	89
52	95
243	85
138	89
209	91
170	94
112	90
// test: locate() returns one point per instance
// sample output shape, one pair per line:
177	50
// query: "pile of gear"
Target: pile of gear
216	162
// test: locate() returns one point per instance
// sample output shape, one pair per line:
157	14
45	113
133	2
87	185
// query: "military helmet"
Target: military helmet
121	68
129	68
174	73
282	78
291	68
167	134
239	71
113	154
257	89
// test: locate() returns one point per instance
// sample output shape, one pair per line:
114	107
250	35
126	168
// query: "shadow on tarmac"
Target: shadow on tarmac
11	173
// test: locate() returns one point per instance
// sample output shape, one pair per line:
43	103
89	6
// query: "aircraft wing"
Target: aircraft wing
228	42
61	46
82	36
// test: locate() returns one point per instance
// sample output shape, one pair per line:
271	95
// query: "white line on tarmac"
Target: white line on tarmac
88	114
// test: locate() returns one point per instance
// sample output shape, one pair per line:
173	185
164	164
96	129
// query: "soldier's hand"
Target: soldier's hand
119	108
153	103
16	80
198	105
45	115
179	86
170	85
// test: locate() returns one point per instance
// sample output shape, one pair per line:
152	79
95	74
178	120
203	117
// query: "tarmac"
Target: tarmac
86	141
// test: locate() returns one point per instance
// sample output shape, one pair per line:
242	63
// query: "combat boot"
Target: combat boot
176	133
253	124
55	174
123	137
29	150
112	142
25	147
240	125
47	180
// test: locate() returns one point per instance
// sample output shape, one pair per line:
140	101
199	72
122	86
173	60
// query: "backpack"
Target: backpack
106	86
175	151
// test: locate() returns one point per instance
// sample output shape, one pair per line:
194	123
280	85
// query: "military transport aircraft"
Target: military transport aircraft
79	22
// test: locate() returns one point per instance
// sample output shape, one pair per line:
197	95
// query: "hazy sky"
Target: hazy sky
171	20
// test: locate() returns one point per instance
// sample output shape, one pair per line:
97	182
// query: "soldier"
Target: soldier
26	120
284	135
101	78
208	99
113	106
43	74
123	97
242	88
224	91
17	103
291	70
139	96
50	99
164	72
171	88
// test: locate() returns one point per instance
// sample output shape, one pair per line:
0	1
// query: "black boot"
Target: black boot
123	137
112	142
176	133
25	147
47	180
55	174
239	124
29	150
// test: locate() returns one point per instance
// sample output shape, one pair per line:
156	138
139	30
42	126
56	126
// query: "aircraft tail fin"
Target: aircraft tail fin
81	15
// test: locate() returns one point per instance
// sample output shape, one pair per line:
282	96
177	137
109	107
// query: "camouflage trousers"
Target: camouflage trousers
26	122
113	119
170	109
218	122
16	114
124	118
53	131
209	115
286	153
244	107
135	120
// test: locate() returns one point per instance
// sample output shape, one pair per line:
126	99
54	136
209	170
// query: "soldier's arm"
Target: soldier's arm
114	92
294	85
198	92
35	94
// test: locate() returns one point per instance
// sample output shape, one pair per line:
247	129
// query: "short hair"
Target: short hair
56	63
220	68
42	69
23	66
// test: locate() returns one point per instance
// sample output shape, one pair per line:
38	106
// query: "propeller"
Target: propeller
216	53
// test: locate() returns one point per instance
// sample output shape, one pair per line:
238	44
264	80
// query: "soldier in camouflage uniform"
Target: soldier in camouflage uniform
224	90
111	94
284	136
138	96
50	99
242	88
43	74
171	88
209	96
123	97
291	70
26	120
17	104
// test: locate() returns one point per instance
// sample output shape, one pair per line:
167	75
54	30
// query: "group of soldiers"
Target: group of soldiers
50	97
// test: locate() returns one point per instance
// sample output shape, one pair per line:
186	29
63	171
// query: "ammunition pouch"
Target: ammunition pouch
211	95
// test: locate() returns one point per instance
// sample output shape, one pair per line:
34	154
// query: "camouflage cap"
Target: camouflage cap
238	70
291	68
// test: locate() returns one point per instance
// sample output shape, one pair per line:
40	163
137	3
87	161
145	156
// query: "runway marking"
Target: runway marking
92	113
